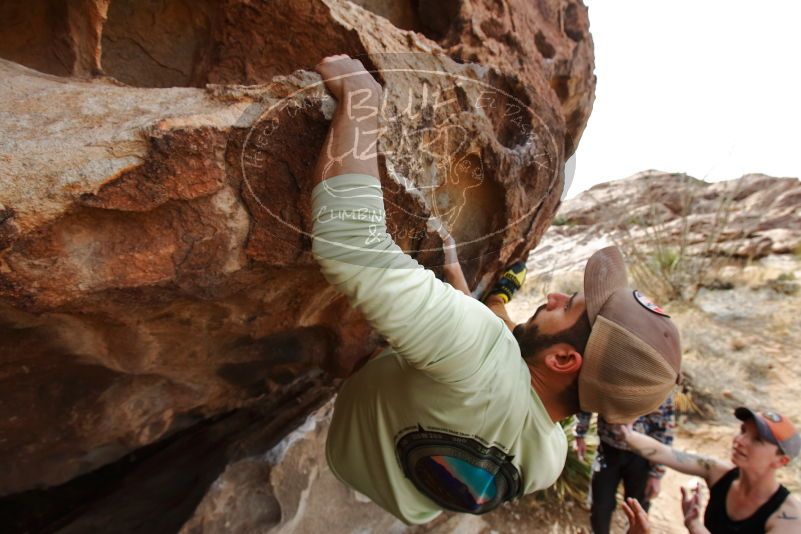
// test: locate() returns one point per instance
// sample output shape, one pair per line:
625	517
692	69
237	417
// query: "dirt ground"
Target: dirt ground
742	345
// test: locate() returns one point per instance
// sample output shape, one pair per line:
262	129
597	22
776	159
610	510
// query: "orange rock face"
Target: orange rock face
155	179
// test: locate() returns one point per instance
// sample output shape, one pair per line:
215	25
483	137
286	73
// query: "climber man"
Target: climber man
462	410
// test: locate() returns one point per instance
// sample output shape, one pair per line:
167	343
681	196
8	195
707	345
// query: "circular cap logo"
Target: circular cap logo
646	303
772	416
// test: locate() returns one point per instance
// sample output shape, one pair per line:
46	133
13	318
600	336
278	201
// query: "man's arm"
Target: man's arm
498	307
352	141
434	327
510	281
452	268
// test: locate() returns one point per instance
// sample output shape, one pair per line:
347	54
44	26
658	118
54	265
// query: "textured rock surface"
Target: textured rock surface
294	478
155	267
734	221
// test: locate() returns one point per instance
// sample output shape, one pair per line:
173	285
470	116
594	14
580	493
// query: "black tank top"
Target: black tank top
717	520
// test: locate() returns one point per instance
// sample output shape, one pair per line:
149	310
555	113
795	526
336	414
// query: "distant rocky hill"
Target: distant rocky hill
674	227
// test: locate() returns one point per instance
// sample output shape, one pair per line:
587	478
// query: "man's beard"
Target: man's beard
529	338
532	341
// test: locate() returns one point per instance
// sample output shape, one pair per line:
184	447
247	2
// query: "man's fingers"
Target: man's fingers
335	57
629	512
326	61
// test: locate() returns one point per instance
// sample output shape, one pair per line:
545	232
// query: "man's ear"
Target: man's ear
563	359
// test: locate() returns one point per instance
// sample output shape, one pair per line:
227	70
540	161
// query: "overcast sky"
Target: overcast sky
706	87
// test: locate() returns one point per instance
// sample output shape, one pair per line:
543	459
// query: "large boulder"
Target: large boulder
155	175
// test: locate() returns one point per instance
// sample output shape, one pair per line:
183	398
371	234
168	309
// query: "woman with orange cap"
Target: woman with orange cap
745	496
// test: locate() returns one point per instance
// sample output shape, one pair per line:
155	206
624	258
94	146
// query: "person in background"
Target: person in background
615	462
745	496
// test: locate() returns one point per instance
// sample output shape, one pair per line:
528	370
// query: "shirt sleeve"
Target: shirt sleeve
434	327
582	424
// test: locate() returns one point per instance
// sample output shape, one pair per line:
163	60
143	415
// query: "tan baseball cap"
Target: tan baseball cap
633	355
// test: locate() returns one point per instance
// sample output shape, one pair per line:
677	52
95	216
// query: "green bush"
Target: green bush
574	482
666	260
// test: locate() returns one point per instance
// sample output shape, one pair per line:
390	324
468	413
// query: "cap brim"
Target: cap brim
604	274
746	414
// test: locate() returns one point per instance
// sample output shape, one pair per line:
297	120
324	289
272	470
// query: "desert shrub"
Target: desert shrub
664	262
684	402
574	483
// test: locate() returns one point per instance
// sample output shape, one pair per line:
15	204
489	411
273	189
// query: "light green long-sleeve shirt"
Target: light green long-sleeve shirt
454	372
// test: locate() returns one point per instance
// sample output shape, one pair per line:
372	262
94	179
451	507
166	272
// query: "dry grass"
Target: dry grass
662	257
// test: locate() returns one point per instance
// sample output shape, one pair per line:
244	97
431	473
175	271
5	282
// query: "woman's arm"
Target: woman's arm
711	469
787	518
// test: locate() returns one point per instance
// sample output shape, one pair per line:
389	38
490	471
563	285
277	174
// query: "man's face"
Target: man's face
559	313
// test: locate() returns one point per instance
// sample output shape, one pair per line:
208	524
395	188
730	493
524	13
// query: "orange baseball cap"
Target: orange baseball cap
774	428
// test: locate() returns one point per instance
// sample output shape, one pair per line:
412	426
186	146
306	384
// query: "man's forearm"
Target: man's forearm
498	307
352	142
455	277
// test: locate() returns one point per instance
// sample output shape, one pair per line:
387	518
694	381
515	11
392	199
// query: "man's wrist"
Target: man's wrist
496	297
362	94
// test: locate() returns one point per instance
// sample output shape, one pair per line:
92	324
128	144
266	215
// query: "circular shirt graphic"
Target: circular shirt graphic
458	473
